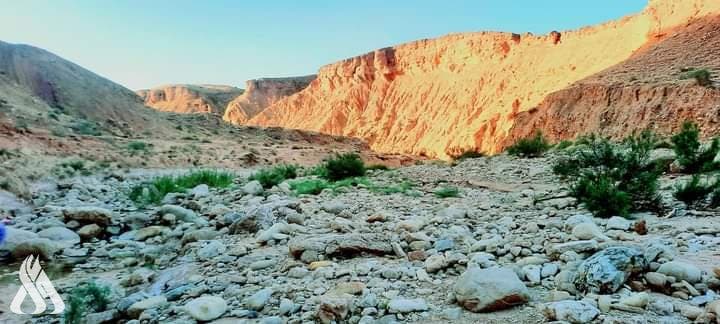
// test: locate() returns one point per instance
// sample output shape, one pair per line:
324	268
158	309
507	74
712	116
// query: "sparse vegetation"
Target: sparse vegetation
341	166
530	147
563	145
468	154
378	167
690	153
612	179
84	299
154	191
702	76
309	186
447	192
275	175
137	146
86	128
695	190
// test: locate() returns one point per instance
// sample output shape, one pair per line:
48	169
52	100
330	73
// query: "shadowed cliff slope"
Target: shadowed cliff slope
260	94
190	98
464	91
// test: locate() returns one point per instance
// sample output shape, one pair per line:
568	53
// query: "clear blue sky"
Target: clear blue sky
142	44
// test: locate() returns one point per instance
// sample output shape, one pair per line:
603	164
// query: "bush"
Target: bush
84	299
612	179
155	191
694	191
690	154
309	187
137	146
530	147
86	128
275	175
702	76
447	192
563	145
342	166
469	154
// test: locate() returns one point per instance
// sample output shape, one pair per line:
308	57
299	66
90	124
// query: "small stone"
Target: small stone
532	273
549	270
558	295
618	223
443	245
570	311
589	231
604	303
253	188
661	307
681	271
206	308
416	255
407	305
656	279
90	231
435	263
149	303
89	214
334	308
286	306
689	311
481	290
636	300
258	300
319	264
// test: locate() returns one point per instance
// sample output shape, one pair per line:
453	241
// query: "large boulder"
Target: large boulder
487	290
309	247
42	247
61	235
15	236
606	271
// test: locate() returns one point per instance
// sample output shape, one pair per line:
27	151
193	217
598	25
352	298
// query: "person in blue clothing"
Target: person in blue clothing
2	232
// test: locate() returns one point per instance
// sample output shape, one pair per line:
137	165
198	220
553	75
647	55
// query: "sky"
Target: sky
142	44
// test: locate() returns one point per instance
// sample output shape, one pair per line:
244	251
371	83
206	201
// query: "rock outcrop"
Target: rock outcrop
465	91
260	94
190	98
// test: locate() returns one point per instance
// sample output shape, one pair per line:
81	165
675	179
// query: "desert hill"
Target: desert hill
262	93
190	98
464	91
38	87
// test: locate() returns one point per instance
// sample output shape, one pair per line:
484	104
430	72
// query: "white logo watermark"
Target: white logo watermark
38	286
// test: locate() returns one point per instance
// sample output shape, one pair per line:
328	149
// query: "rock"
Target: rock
149	303
95	215
182	214
15	236
549	270
90	231
407	305
60	234
604	303
656	279
689	311
532	273
570	311
656	249
150	231
339	245
435	263
286	306
206	308
200	191
558	295
37	246
334	308
211	250
639	300
589	231
334	207
681	271
253	188
482	290
661	307
574	246
574	220
444	245
714	307
259	299
618	223
606	271
204	234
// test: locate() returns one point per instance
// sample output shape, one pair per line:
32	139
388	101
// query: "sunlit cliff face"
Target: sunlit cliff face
463	91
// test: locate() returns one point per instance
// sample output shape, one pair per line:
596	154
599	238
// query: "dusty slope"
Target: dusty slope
463	91
644	92
190	98
38	85
260	94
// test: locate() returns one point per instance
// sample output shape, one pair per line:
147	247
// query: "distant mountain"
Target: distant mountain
190	98
38	87
261	93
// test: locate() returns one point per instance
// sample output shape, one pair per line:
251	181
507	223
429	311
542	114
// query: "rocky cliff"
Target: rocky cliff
190	98
465	91
260	94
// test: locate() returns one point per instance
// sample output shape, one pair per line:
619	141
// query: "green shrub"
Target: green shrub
690	153
694	191
563	145
154	191
611	178
309	186
342	166
530	147
86	128
137	146
275	175
84	299
702	76
447	192
403	187
468	154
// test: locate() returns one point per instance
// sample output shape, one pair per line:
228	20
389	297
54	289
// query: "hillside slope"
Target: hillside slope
37	87
645	92
464	91
190	98
260	94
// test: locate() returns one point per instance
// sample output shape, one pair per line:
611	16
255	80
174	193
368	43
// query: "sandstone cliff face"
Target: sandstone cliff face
464	91
187	98
260	94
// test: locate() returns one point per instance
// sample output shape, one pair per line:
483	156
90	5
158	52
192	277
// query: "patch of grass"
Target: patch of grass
86	128
154	191
84	299
612	179
563	145
530	147
403	187
275	175
702	76
447	192
695	190
690	153
342	166
309	186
